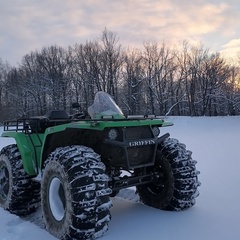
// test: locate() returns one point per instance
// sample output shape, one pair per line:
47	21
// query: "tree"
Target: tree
55	63
133	75
4	69
215	73
110	62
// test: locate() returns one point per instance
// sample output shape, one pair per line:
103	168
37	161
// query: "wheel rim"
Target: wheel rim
4	182
156	189
158	186
57	199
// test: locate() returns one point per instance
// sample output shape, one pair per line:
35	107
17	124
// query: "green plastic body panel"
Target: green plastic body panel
100	125
32	146
29	148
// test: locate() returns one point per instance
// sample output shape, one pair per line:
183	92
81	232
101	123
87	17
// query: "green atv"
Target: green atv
73	165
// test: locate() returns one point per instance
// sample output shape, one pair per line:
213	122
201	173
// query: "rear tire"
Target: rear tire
19	194
177	183
75	194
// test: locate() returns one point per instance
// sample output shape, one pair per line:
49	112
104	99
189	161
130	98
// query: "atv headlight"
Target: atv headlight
156	131
112	134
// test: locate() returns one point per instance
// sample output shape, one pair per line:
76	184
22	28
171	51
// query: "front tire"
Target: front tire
176	186
75	194
19	194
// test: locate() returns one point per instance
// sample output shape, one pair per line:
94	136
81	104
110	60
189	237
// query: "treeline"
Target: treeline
157	79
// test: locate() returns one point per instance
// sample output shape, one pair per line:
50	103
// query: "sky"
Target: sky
29	25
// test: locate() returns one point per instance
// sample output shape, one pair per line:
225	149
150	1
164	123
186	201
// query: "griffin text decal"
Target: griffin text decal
141	143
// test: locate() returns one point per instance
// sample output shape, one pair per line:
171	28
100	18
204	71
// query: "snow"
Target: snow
215	143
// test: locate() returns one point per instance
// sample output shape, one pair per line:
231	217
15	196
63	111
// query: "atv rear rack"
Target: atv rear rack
20	125
32	125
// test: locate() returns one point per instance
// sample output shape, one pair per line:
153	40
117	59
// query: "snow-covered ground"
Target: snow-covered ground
215	143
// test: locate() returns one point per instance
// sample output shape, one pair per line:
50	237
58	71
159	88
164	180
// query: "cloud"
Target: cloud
234	43
231	49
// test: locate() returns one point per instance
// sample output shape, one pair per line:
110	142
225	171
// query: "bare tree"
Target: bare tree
4	70
215	74
133	74
110	62
55	64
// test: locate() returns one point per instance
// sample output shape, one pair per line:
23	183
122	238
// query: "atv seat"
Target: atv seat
56	117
